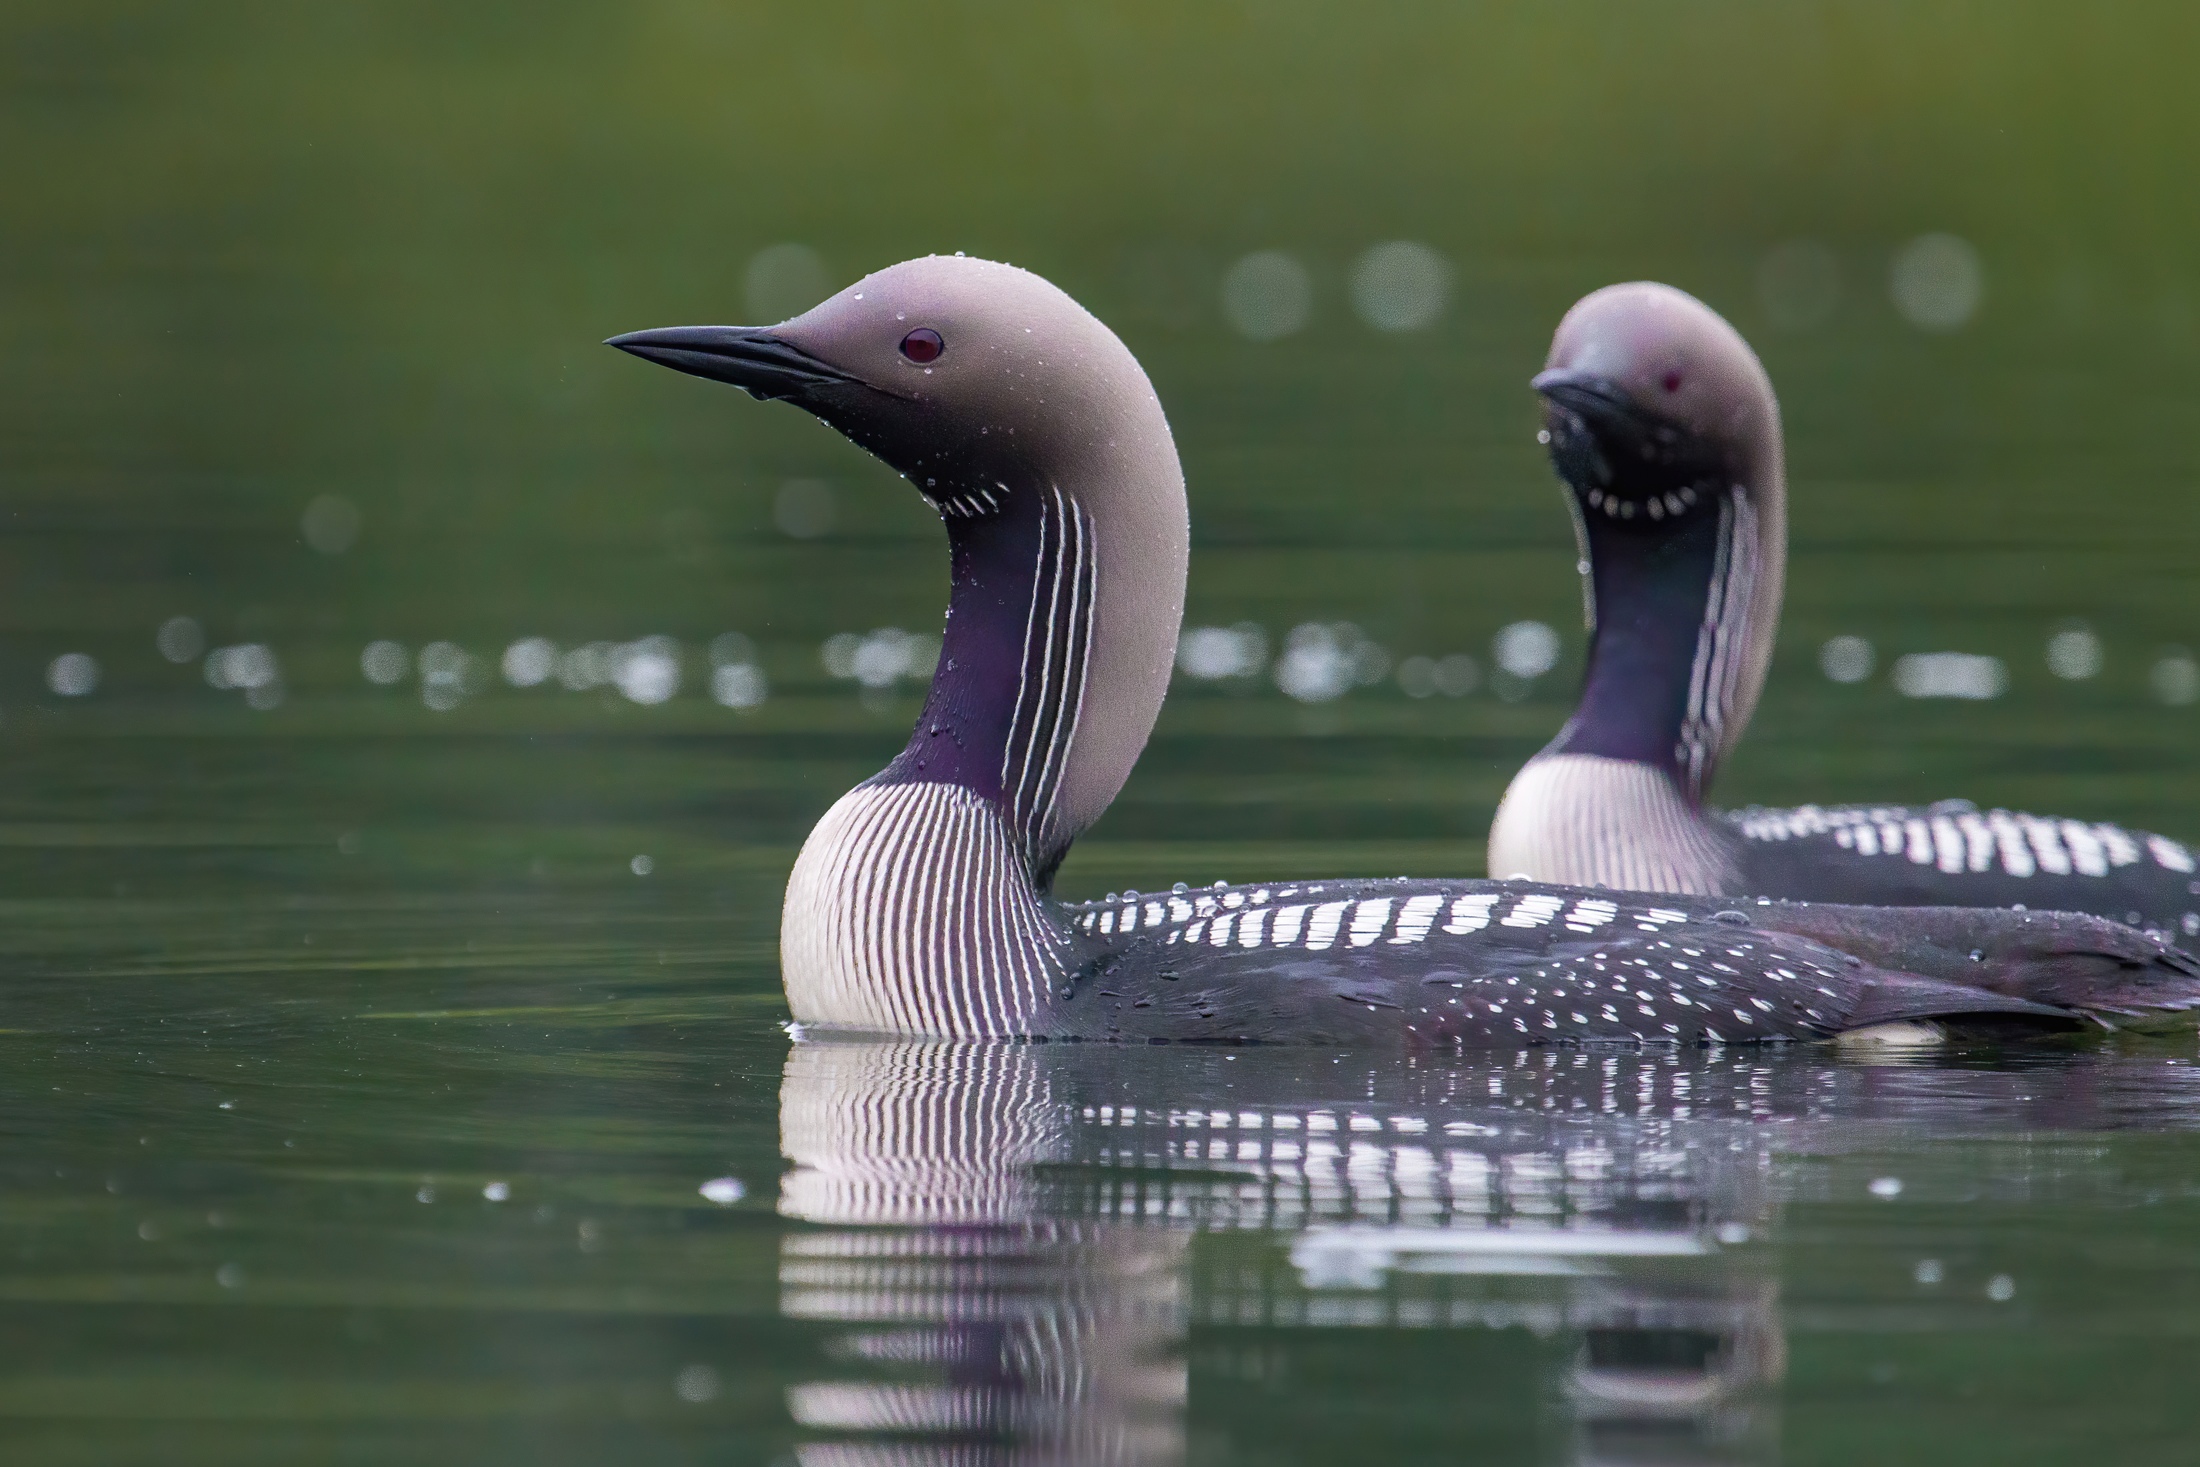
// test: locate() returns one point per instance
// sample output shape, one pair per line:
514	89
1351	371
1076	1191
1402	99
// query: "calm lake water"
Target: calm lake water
390	1061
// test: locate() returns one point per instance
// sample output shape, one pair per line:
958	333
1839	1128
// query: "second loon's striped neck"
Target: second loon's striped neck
1679	609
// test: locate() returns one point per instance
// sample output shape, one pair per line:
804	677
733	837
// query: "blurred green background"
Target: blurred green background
299	321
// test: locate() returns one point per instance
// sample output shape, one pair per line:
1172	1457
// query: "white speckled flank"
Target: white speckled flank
1369	918
1237	920
909	912
1954	839
1470	913
1416	917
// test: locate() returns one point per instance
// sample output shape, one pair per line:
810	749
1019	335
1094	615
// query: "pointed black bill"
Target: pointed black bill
1598	401
750	357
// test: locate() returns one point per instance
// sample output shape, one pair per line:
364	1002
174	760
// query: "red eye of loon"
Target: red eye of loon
1672	382
922	345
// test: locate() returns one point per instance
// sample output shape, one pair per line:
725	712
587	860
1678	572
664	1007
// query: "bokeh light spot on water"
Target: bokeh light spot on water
1526	649
1846	659
696	1384
739	685
447	675
250	667
737	679
1799	284
2074	653
641	865
1950	675
384	662
1453	676
426	1193
1928	1271
530	661
879	659
73	674
585	667
1400	286
784	280
2001	1288
1267	295
2175	677
230	1276
1937	282
1324	660
496	1191
647	671
725	1191
330	524
180	639
1886	1188
805	508
1208	654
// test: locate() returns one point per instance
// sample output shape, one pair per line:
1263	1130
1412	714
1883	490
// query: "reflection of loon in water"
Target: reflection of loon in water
1007	1230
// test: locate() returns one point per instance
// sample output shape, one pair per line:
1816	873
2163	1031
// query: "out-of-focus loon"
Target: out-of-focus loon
1664	430
921	904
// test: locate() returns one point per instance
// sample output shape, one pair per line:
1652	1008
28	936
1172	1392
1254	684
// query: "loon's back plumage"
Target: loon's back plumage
1479	964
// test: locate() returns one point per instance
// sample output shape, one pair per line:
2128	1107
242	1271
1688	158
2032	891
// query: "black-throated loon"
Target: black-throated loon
1665	433
921	904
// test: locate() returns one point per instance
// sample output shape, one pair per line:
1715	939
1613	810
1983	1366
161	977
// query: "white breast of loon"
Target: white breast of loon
906	913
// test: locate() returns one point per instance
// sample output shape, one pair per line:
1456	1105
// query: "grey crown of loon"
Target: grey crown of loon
921	904
1664	430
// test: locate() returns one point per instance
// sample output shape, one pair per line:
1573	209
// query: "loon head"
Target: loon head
1653	404
963	375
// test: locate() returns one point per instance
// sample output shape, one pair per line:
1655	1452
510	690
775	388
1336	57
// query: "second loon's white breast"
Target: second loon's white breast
1586	820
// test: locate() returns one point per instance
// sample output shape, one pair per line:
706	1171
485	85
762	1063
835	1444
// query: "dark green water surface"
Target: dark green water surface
366	1049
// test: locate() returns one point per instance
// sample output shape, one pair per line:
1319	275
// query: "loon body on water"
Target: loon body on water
1665	433
921	904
